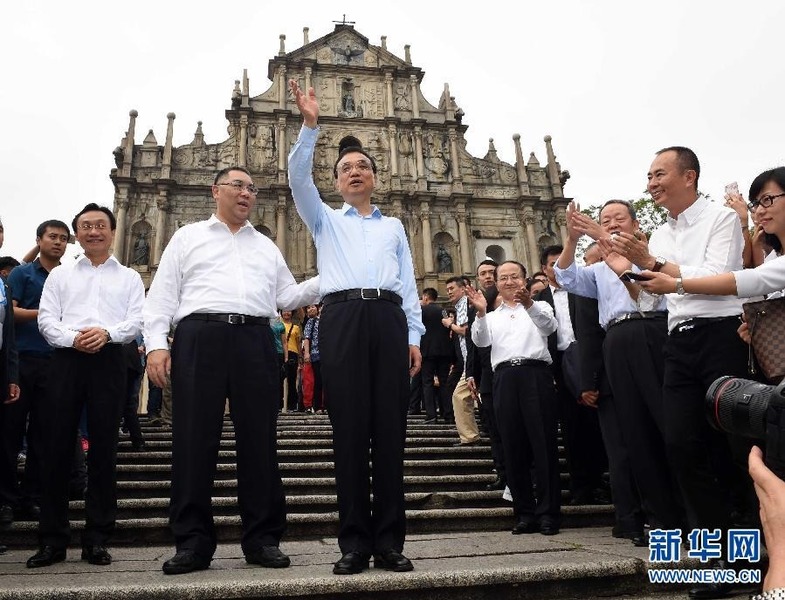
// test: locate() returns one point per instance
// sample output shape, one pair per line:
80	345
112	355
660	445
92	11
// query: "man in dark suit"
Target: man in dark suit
437	353
586	457
480	376
9	360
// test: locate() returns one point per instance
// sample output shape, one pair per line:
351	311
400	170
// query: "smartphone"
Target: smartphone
732	188
632	277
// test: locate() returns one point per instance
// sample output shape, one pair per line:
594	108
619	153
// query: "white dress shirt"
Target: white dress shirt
565	334
705	239
206	268
767	279
516	332
78	295
601	282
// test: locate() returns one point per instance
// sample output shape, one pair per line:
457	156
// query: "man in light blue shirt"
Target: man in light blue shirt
369	335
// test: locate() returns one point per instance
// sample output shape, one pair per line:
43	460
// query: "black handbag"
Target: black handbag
766	321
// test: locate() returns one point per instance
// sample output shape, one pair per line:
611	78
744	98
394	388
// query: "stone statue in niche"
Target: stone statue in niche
401	98
141	250
444	260
349	106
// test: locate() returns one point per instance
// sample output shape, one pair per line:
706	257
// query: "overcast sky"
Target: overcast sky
611	81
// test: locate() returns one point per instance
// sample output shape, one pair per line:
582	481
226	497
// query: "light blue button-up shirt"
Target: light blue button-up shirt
601	282
354	251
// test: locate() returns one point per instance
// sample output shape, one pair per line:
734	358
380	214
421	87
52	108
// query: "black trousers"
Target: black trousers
415	394
626	498
525	404
97	382
365	361
635	366
23	419
694	359
211	362
292	399
586	457
130	406
431	397
318	386
488	414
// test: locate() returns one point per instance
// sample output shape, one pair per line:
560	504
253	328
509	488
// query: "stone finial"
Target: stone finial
306	41
533	162
282	49
171	116
491	154
516	137
407	53
384	42
198	135
149	139
133	113
237	95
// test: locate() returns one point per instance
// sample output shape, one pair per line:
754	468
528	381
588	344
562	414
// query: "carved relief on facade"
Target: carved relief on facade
350	106
406	151
402	101
436	151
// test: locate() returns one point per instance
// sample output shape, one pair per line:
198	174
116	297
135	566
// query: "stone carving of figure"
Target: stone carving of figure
348	102
401	98
141	250
444	260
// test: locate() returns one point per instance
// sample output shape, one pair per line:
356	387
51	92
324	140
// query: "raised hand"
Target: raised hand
477	300
584	224
306	103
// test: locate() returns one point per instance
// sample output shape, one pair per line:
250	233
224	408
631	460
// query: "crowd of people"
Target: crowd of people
617	353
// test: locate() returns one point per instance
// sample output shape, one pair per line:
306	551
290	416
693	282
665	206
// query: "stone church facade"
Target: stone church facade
456	208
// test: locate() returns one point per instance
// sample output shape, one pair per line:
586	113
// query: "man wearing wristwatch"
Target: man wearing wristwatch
89	308
700	238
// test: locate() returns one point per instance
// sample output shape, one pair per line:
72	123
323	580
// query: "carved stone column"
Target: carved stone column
243	155
308	84
388	85
561	221
128	151
393	130
160	226
520	167
418	152
282	87
121	204
166	166
463	236
280	226
415	103
280	137
553	171
527	216
310	255
457	180
427	242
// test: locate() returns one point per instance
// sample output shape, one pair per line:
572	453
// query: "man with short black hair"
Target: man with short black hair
89	308
220	281
437	353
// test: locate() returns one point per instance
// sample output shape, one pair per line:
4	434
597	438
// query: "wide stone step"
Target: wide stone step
145	531
585	564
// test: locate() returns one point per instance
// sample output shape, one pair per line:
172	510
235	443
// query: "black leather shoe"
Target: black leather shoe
640	540
46	556
429	421
185	561
351	563
525	525
549	528
96	555
392	560
498	485
138	446
29	511
706	591
268	556
3	548
6	515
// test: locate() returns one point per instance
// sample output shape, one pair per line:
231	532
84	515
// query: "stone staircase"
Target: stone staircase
445	486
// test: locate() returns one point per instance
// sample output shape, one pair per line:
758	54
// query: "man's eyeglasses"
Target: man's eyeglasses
764	201
363	166
100	226
240	186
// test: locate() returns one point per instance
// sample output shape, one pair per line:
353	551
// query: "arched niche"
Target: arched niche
139	249
445	253
496	252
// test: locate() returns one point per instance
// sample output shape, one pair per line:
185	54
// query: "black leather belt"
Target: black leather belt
230	318
698	322
634	316
362	294
520	362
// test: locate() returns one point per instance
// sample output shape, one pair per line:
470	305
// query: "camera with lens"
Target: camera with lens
751	409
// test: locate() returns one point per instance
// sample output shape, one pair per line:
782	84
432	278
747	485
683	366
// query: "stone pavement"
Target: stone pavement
577	563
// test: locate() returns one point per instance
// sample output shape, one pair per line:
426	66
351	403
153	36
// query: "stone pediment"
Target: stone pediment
342	47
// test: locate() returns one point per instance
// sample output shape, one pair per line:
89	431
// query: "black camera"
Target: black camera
751	409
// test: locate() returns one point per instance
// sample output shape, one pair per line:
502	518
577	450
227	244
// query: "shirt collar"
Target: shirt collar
348	209
213	221
83	259
691	213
